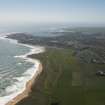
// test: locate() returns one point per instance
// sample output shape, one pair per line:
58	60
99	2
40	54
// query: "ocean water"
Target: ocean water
15	69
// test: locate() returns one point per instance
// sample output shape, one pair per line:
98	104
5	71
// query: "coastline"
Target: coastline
37	66
29	85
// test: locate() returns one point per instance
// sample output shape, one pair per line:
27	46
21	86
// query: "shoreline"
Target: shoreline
26	92
33	50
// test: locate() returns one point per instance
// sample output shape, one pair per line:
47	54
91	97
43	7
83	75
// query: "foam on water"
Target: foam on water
20	85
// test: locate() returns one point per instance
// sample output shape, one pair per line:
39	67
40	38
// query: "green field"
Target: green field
66	81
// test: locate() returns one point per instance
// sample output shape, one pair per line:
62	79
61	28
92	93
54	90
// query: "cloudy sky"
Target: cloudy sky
77	11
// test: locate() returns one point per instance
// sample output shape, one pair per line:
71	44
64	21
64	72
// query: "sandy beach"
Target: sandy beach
28	88
15	98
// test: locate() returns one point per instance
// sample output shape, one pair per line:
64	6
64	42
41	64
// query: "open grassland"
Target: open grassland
66	81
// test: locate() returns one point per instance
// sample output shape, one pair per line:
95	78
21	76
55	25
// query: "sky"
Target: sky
39	11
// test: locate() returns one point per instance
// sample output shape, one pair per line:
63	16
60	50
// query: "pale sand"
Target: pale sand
27	90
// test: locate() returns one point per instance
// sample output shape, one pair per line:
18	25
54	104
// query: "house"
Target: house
100	73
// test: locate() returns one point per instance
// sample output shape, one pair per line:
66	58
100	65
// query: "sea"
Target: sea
16	69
